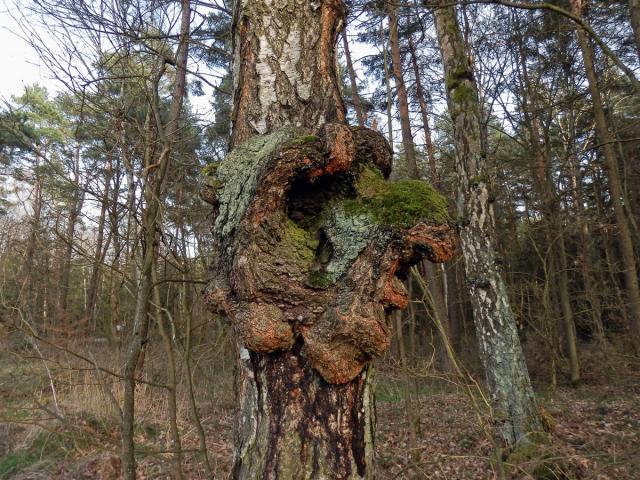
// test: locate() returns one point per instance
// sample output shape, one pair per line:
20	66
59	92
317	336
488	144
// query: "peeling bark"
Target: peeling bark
284	66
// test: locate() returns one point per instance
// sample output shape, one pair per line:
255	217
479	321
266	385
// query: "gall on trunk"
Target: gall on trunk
311	242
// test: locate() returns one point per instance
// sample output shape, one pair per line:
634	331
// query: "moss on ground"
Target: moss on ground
399	204
46	447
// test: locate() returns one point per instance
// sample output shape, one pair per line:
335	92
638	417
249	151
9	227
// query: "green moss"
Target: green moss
304	140
213	182
462	93
320	280
537	460
298	244
452	83
396	204
477	179
210	169
15	462
47	446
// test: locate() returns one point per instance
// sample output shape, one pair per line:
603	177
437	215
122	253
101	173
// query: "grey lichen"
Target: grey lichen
240	174
349	233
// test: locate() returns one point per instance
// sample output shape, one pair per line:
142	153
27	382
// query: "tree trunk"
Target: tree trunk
288	252
100	253
74	212
403	101
422	101
634	13
387	85
357	102
615	185
154	186
500	350
553	229
283	423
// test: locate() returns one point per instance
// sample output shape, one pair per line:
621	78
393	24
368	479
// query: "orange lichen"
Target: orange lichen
392	292
440	241
263	327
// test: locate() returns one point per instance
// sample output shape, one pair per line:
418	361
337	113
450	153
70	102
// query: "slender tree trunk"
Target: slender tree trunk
153	190
100	253
387	84
585	248
175	445
422	101
554	231
434	274
411	410
28	290
401	90
615	184
355	96
69	237
500	350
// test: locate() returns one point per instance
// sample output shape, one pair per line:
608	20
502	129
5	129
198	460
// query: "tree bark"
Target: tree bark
286	257
500	350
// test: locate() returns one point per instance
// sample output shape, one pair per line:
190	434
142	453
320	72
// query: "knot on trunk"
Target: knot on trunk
311	240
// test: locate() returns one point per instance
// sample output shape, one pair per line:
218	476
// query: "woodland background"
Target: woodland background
73	168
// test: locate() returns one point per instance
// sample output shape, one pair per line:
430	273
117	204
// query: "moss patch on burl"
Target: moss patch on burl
297	244
399	204
320	280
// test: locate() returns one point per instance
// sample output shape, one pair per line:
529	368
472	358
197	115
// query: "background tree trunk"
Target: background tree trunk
401	90
500	350
615	185
357	102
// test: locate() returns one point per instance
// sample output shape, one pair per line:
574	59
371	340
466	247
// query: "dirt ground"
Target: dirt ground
595	429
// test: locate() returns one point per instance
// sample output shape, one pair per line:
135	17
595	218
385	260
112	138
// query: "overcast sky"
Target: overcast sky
20	65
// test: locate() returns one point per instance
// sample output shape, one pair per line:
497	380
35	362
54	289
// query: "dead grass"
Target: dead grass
596	436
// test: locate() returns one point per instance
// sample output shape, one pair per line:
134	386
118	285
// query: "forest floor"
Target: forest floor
595	427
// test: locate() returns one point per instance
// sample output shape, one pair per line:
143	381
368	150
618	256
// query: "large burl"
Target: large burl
310	240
